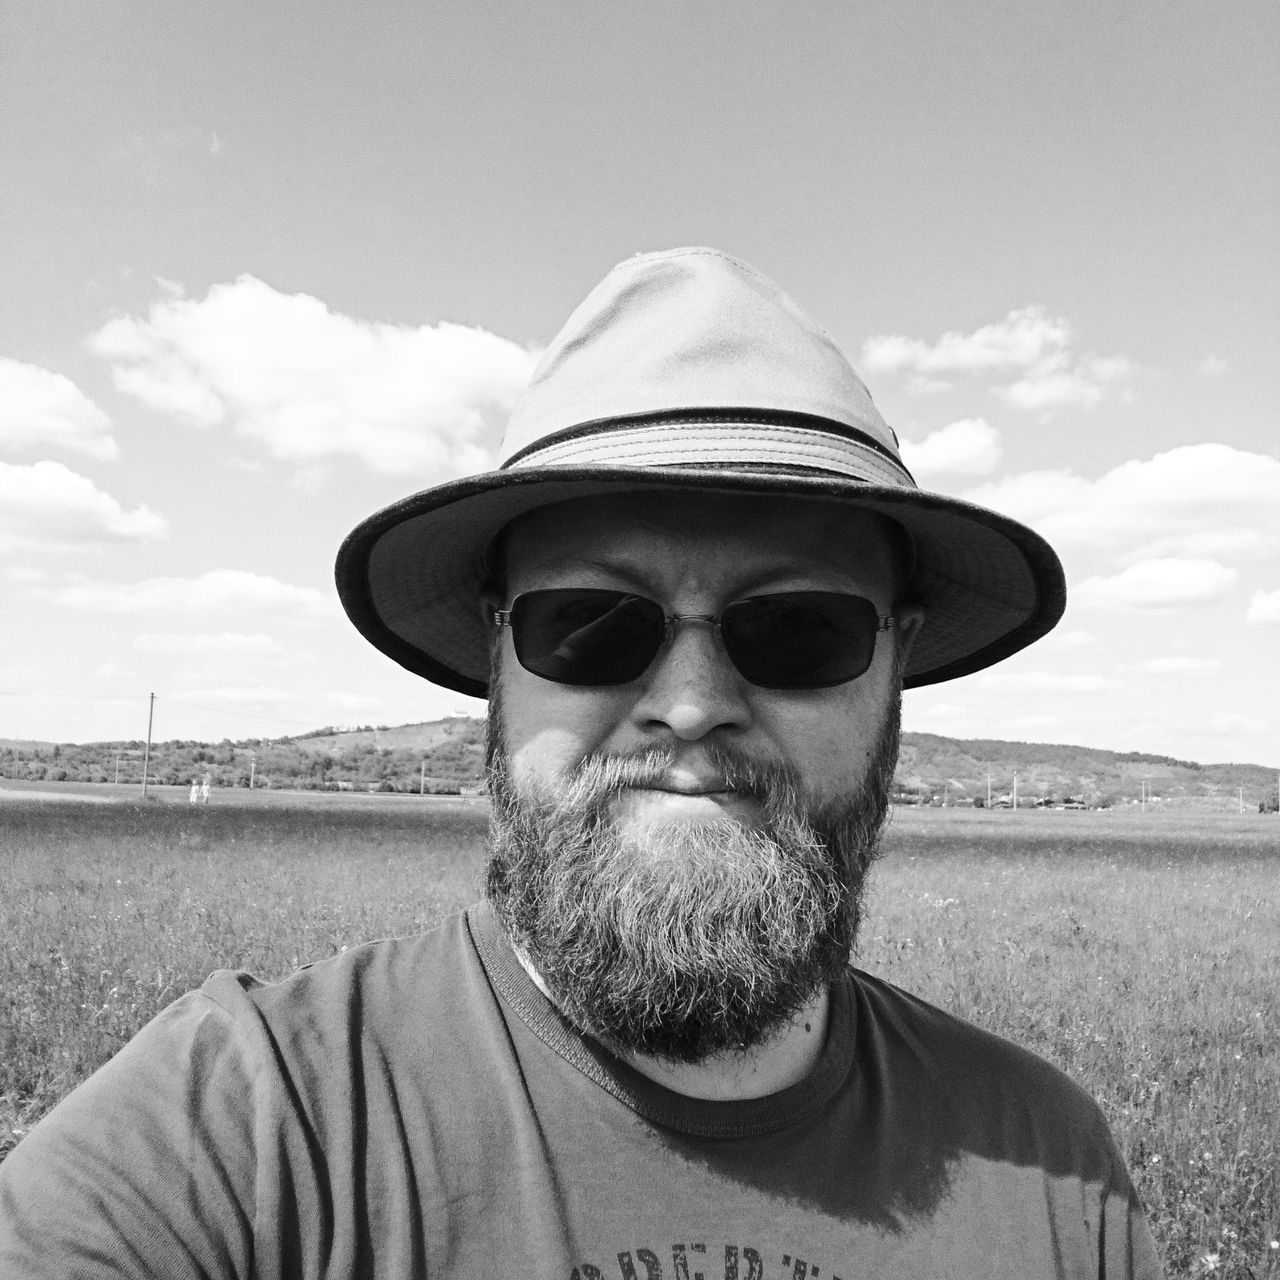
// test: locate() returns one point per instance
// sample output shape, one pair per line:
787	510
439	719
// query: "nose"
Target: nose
692	688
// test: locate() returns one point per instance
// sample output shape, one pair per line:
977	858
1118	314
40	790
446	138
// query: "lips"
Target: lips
690	785
681	797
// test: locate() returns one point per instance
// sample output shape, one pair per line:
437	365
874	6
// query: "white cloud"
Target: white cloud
936	709
48	507
1156	585
356	702
156	152
919	385
19	676
1046	682
40	407
1174	666
311	384
1211	366
1016	726
1108	368
1264	607
970	447
1028	341
1052	390
219	594
1226	724
1198	501
21	575
237	696
217	645
1067	641
1049	387
1022	339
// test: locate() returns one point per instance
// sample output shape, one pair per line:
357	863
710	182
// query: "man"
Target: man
693	592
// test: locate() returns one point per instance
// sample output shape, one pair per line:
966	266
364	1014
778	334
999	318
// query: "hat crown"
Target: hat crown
688	331
688	371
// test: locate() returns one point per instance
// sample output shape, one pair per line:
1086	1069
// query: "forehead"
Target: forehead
720	539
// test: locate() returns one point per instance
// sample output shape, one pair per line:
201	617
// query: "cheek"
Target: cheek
550	728
831	739
546	756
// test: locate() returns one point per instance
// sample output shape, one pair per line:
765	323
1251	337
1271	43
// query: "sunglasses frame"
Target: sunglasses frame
884	622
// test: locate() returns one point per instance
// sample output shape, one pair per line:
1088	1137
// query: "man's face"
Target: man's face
696	554
690	792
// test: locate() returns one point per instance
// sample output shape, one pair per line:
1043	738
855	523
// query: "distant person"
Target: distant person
195	792
693	593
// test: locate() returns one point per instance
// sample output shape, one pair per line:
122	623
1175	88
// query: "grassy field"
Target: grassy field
1141	954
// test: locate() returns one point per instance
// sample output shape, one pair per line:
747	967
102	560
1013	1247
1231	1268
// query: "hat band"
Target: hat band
723	442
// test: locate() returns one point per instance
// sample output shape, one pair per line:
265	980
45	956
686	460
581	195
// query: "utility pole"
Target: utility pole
1242	799
146	755
422	778
1015	790
988	791
253	767
117	768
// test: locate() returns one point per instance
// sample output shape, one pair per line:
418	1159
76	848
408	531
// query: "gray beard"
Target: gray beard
686	939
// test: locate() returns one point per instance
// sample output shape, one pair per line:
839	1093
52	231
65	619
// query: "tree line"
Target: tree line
446	768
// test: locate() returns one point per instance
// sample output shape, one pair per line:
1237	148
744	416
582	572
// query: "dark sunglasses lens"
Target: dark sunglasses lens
586	637
800	639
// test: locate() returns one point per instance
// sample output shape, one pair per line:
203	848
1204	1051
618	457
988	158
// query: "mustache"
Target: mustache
600	776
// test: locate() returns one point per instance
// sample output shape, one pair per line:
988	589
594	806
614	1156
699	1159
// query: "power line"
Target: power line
110	697
222	711
175	702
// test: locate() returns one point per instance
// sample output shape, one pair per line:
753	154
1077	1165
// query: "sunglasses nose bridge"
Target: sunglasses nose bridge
670	620
692	686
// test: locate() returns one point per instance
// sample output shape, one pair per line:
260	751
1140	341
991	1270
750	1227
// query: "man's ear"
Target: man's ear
908	620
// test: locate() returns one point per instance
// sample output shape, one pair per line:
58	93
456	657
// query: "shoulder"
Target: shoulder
370	971
977	1081
238	1091
948	1045
220	1055
408	993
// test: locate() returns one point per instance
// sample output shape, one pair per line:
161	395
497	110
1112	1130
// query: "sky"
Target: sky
267	267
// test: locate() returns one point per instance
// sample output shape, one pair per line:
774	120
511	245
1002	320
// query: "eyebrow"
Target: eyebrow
767	578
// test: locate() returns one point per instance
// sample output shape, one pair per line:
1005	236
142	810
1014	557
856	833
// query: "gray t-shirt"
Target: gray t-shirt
416	1108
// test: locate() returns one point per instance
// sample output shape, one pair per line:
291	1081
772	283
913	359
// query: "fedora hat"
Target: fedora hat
688	370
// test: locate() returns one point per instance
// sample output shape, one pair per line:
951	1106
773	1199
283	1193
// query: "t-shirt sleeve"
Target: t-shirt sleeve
148	1168
1012	1131
1128	1250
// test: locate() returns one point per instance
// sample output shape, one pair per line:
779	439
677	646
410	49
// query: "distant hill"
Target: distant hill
964	769
441	756
448	755
409	737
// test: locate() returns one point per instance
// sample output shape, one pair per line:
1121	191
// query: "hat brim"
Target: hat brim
411	575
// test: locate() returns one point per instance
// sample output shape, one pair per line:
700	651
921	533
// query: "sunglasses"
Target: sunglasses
788	640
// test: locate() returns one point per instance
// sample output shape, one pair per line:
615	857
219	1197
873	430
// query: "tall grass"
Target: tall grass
1139	955
1143	957
111	912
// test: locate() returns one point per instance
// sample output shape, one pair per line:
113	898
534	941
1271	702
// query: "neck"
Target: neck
779	1062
